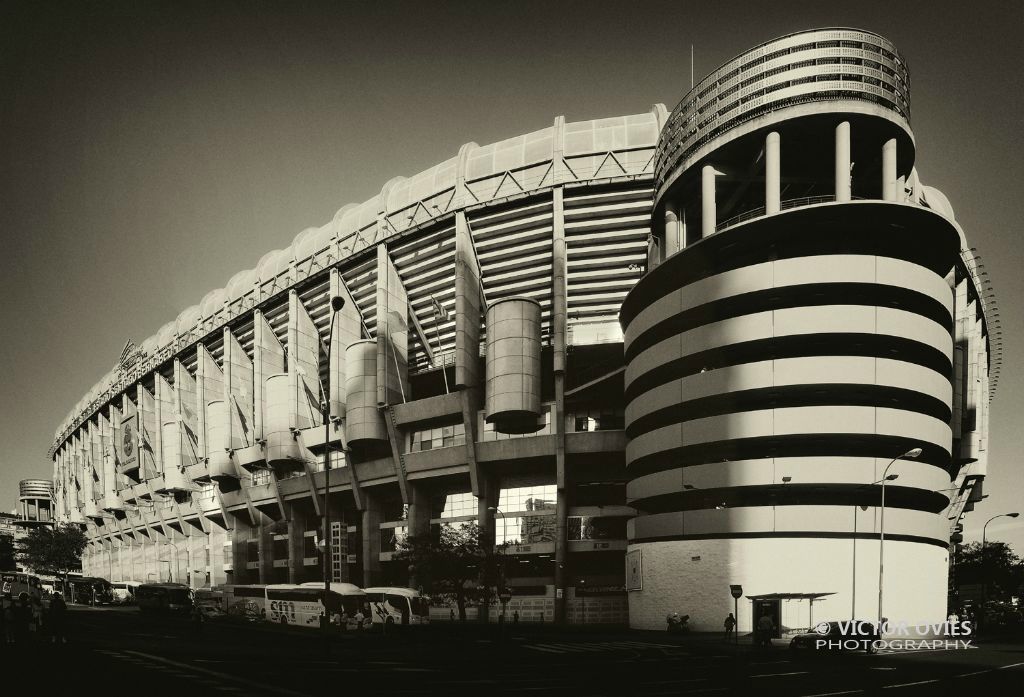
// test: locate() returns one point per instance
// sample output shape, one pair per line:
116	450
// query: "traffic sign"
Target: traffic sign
505	595
737	591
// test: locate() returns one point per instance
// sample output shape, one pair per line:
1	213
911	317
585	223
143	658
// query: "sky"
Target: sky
150	150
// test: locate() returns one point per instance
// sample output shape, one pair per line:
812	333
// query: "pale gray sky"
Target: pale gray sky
150	150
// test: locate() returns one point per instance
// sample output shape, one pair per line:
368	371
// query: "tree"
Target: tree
56	550
449	562
1001	570
7	559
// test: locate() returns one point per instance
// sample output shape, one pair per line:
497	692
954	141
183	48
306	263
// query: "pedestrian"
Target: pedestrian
58	619
21	616
765	628
730	625
515	617
359	618
451	614
197	618
4	624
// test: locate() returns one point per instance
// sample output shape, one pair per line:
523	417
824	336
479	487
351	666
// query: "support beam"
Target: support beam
707	201
673	233
842	173
890	184
397	456
369	528
772	174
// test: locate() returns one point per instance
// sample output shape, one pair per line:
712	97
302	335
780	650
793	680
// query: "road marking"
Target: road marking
908	684
1012	665
977	672
223	676
775	675
829	694
880	668
767	663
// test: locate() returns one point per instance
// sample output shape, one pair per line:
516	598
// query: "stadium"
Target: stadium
652	356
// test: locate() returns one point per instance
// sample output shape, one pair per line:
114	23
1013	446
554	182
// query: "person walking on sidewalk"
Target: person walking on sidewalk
730	626
58	619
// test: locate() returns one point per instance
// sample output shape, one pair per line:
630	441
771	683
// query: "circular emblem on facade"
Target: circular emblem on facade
128	442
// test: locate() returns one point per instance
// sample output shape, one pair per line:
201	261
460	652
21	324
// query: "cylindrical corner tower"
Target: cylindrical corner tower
797	342
35	502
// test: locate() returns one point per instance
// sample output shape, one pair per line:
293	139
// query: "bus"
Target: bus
245	601
392	605
124	591
343	599
167	598
89	590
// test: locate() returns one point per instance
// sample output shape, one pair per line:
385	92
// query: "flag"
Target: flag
440	311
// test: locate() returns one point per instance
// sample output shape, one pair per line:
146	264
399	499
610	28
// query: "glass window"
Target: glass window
457	505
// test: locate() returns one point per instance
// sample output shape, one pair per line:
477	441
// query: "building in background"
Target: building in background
35	502
699	335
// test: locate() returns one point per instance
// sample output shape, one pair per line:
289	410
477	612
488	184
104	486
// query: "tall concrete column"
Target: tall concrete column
419	510
672	230
772	174
239	553
709	211
266	548
369	528
485	519
842	173
296	542
889	181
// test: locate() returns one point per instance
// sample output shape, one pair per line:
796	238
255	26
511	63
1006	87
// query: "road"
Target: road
120	650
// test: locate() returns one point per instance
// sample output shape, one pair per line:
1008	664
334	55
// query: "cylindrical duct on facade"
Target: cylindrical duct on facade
513	365
218	442
283	450
363	420
170	447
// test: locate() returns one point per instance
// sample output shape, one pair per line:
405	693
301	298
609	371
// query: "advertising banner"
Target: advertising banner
127	441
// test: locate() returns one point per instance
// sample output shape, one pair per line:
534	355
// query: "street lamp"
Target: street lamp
984	564
912	453
337	303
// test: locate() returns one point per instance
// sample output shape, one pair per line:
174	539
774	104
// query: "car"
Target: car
838	635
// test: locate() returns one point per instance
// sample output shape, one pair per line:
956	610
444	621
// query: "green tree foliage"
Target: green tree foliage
56	550
1000	569
455	561
7	560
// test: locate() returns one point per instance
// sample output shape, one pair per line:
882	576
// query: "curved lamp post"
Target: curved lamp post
912	453
337	303
984	563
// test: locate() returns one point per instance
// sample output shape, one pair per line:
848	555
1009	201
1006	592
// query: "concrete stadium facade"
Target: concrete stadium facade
654	355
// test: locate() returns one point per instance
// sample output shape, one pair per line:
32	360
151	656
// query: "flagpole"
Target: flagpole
437	334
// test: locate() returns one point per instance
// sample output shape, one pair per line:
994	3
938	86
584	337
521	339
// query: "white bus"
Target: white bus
124	591
403	606
351	601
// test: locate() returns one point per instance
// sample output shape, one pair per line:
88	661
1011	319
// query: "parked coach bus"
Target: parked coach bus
168	598
89	590
344	599
403	606
245	601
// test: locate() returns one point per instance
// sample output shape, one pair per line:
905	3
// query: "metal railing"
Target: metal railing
785	205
